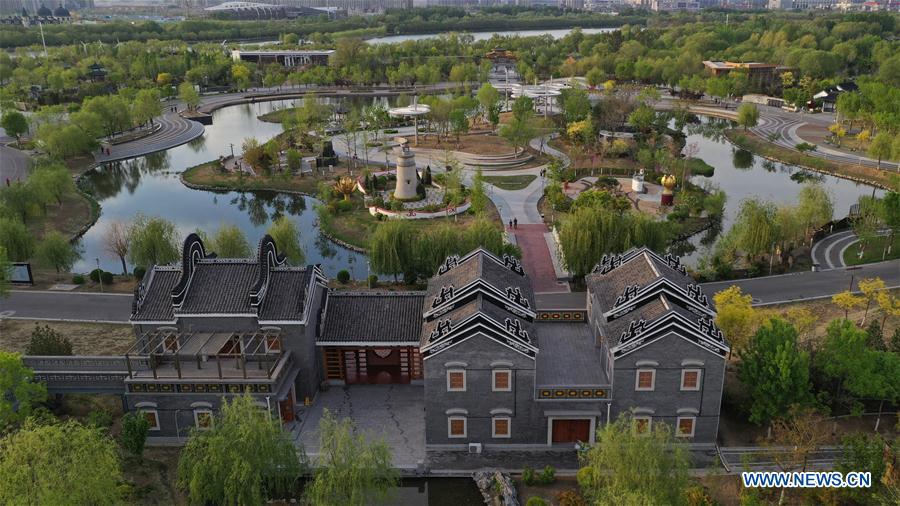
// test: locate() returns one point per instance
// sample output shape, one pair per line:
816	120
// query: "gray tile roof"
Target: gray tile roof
221	286
378	317
156	304
568	356
288	286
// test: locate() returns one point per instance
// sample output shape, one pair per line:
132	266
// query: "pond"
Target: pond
150	185
741	174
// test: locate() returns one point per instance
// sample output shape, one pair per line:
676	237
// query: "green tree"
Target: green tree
146	106
881	147
153	241
52	180
229	242
4	273
459	123
489	99
775	370
755	227
189	95
21	394
48	342
16	240
65	464
15	124
814	207
642	118
747	115
18	198
476	193
287	237
391	248
350	470
244	458
628	465
575	104
56	251
135	428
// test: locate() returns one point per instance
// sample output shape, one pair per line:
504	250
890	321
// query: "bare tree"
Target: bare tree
116	242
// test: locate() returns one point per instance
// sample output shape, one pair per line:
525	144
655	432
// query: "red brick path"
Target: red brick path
536	258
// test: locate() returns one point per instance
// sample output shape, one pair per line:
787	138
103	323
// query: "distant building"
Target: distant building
298	58
253	10
761	76
674	5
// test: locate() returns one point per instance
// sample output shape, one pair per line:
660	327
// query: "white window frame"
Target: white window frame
465	380
465	421
699	376
198	411
508	380
649	420
678	420
155	415
508	427
637	380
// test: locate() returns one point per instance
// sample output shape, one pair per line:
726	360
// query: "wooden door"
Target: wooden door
570	431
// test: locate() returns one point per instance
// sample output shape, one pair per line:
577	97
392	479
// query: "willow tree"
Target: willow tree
65	463
244	458
287	238
590	232
392	248
154	241
755	227
633	466
351	470
229	241
814	207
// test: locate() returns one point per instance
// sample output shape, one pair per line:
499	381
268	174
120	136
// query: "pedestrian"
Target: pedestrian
108	151
515	223
510	224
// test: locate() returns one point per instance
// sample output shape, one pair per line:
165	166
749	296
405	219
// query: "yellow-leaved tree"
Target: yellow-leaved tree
847	301
736	316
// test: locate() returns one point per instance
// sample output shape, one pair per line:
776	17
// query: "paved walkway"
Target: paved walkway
66	306
829	251
174	131
14	164
536	258
394	413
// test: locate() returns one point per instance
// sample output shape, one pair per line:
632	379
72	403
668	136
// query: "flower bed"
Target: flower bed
412	214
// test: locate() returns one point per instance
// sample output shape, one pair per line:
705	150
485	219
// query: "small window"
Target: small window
502	380
685	426
456	426
456	380
690	379
641	424
645	380
273	343
203	419
500	427
152	417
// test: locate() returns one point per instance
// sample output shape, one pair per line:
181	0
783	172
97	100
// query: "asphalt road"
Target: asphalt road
66	306
13	164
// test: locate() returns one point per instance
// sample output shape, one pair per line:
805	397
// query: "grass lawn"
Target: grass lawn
208	175
86	338
356	226
875	251
510	182
66	218
760	146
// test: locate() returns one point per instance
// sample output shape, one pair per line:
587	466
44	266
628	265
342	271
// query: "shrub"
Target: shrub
391	131
106	277
535	501
569	498
547	476
95	275
78	279
585	477
409	278
139	273
100	418
528	476
696	495
373	279
378	202
135	428
48	342
343	276
344	206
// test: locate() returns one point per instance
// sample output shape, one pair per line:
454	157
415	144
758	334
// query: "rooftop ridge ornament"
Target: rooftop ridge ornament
708	328
514	327
695	293
635	328
445	295
515	295
451	262
675	263
443	328
513	264
607	263
630	292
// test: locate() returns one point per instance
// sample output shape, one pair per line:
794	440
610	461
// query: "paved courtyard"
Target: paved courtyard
395	413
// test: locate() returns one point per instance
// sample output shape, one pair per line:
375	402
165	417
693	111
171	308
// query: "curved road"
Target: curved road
829	251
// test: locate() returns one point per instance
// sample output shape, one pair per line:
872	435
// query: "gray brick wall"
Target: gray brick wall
667	398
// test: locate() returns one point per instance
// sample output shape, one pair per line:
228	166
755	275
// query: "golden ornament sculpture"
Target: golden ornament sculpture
668	182
345	185
668	195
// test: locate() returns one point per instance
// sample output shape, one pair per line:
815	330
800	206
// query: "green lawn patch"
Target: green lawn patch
698	167
510	182
875	251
